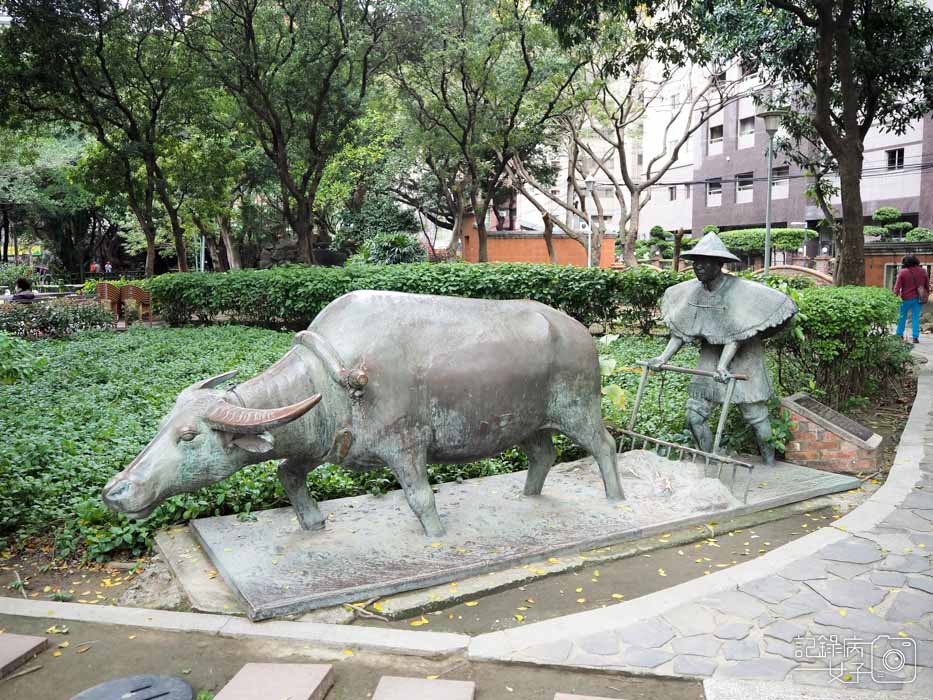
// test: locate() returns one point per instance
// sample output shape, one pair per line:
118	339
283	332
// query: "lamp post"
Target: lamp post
772	119
590	184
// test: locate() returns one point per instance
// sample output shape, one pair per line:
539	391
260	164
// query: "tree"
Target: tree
299	72
483	84
864	62
606	132
114	69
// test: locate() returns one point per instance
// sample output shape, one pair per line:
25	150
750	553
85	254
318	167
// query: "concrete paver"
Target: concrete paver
399	688
293	681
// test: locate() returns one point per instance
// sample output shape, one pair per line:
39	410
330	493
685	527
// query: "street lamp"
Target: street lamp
772	119
590	184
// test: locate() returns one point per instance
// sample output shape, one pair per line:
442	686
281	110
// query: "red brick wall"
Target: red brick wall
517	246
811	445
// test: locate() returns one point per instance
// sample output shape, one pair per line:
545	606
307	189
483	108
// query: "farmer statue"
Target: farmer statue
730	316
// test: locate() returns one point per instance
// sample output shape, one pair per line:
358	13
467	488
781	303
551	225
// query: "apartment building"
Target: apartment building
721	176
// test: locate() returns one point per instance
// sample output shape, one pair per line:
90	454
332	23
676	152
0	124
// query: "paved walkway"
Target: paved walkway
850	606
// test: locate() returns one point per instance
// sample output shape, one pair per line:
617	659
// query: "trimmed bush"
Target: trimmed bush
842	339
875	231
886	215
752	240
898	229
53	319
920	235
710	229
293	296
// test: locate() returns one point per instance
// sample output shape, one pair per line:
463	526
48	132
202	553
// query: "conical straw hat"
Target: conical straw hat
710	247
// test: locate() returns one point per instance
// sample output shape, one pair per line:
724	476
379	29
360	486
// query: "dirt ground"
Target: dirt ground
207	663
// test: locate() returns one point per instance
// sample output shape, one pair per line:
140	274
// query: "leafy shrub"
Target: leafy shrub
752	240
294	295
17	361
658	232
898	229
875	231
640	290
379	214
393	249
710	229
53	319
919	235
886	215
842	339
9	273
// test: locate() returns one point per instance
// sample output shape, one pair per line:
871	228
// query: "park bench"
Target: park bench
118	296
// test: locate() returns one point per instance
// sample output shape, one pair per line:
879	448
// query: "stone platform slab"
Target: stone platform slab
373	547
256	681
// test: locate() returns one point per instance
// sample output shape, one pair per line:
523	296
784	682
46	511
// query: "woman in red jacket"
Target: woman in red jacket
913	287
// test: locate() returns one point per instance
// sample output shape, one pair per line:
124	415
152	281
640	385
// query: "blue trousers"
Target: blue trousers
913	306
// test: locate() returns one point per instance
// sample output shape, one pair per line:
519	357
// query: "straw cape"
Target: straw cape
736	311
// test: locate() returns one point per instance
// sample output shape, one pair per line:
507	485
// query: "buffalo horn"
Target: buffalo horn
252	421
214	381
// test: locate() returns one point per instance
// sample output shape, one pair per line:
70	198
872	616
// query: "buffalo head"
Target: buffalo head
202	440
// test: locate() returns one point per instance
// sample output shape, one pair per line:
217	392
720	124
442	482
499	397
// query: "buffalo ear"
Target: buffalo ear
256	444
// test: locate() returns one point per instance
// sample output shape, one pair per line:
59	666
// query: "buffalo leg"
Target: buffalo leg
595	439
541	453
412	473
294	478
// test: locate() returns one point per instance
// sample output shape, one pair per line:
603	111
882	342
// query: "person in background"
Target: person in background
913	287
94	266
108	268
22	290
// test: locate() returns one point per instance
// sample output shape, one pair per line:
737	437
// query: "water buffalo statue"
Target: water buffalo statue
398	380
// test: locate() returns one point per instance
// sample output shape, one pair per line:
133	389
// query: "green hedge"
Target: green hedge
875	231
640	292
920	235
53	319
752	240
842	339
9	273
294	295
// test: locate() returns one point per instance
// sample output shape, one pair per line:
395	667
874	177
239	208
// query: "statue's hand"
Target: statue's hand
722	375
655	363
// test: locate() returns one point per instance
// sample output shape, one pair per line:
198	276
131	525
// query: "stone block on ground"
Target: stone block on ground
266	681
398	688
565	696
17	649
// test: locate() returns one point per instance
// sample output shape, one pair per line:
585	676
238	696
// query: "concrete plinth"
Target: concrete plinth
374	547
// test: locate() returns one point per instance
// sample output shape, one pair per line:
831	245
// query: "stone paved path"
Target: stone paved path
849	606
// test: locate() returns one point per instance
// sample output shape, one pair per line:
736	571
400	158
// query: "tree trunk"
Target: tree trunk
233	252
481	236
15	240
457	234
178	233
850	240
5	225
548	238
631	232
678	241
150	253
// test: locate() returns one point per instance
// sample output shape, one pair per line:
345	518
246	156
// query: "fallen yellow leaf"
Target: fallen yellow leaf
431	678
471	603
56	653
662	572
580	590
348	652
421	621
618	596
64	645
581	600
520	618
132	636
553	560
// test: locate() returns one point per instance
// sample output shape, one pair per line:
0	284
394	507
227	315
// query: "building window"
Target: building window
895	159
687	192
672	193
780	185
715	140
744	187
714	192
747	126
